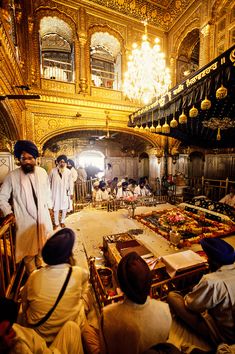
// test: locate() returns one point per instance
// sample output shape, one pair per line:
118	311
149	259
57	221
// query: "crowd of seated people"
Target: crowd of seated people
55	304
125	188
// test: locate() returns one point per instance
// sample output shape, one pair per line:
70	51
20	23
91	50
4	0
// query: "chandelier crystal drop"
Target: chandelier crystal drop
146	77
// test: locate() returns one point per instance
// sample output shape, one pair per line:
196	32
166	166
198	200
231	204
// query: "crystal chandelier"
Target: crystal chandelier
147	76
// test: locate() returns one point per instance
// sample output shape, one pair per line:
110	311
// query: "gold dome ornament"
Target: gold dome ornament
205	104
141	129
146	129
193	113
218	137
158	127
166	128
183	118
173	123
136	128
221	92
152	128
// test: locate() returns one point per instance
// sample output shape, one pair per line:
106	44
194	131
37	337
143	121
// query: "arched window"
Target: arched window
188	55
56	50
105	54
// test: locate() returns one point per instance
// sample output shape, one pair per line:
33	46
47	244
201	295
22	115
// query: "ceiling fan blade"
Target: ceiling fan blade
20	97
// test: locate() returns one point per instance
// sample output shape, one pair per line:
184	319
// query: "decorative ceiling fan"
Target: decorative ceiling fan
107	136
20	96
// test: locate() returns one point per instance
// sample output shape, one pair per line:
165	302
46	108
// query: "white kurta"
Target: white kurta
41	291
141	192
33	225
74	174
61	188
67	341
102	195
123	194
216	293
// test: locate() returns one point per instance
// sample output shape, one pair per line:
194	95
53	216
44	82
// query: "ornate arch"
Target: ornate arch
40	13
8	128
189	26
105	28
151	138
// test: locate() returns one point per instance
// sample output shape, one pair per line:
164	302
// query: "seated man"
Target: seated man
95	190
102	193
43	287
229	199
138	322
15	339
141	190
209	308
124	192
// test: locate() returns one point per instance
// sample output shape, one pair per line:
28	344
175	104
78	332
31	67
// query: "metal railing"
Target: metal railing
11	274
102	78
214	189
82	193
57	70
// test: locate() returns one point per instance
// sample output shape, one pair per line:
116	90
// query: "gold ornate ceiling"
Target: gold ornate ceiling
161	13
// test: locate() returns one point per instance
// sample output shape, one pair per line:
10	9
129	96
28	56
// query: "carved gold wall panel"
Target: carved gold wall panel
57	86
106	94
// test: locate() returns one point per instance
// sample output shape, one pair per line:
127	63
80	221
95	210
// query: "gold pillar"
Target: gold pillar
204	56
82	37
173	69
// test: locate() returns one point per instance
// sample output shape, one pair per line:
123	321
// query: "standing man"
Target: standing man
62	188
29	187
74	174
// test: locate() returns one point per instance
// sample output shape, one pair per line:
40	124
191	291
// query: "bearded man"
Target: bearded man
62	189
30	190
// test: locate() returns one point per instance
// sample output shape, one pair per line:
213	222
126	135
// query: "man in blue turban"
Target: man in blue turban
29	187
210	307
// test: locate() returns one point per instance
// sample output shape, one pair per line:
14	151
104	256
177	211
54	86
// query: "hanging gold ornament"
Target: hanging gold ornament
193	112
205	104
146	129
152	128
221	92
183	118
158	127
136	128
173	123
218	137
166	128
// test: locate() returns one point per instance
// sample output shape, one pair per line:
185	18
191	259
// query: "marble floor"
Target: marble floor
90	225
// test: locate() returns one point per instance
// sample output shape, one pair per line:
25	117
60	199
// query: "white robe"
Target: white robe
123	194
74	174
33	225
41	291
67	341
102	195
61	188
141	192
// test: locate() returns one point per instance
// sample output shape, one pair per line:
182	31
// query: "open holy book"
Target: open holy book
181	261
